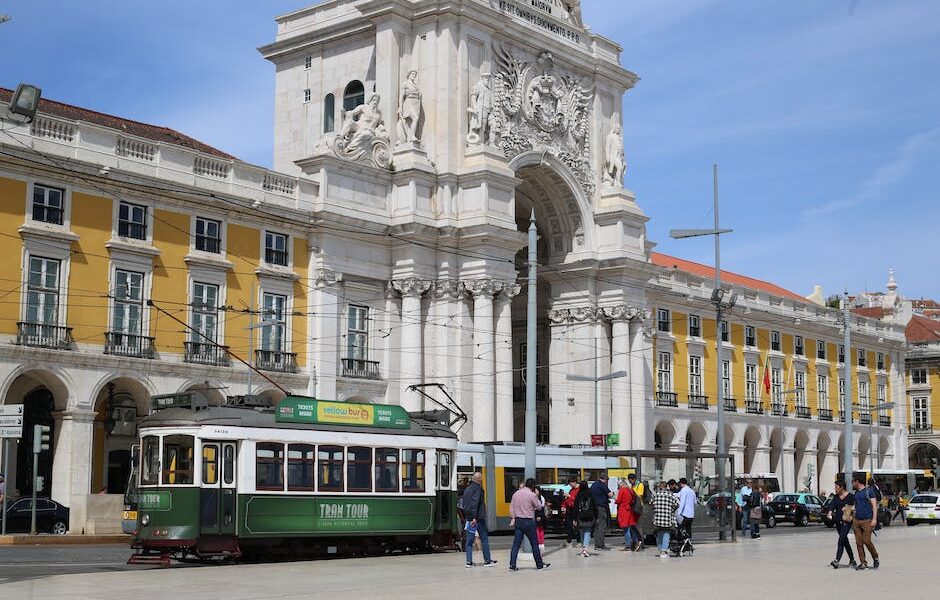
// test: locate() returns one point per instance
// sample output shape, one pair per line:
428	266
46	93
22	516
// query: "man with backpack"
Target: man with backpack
474	511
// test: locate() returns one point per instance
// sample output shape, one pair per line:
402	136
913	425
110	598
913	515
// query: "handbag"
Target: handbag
848	513
756	513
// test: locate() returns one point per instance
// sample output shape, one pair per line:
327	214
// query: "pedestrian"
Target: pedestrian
540	519
686	512
840	501
474	510
750	499
522	510
601	495
586	511
638	505
665	505
899	508
625	515
866	517
571	518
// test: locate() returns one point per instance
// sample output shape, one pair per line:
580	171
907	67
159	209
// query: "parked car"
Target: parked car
51	517
554	513
800	509
924	508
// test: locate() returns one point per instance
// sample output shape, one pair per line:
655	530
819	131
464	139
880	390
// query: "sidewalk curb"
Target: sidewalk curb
62	540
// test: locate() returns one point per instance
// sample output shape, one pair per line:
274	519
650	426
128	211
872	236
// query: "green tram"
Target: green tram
306	478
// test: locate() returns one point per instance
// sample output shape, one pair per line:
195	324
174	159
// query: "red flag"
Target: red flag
766	378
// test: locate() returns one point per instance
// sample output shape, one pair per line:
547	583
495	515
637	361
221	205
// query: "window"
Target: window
775	386
799	382
269	466
42	292
724	331
205	307
822	391
357	333
273	311
150	461
275	249
331	468
921	414
695	375
306	95
862	360
308	61
820	350
48	204
841	353
882	393
329	113
353	95
386	469
177	460
750	382
664	372
208	235
880	361
228	461
301	467
750	338
412	470
128	302
798	345
726	378
443	465
842	394
775	341
662	320
359	469
132	221
210	464
864	397
919	377
695	326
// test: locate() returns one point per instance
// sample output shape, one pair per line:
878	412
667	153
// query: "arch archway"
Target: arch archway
119	404
921	455
695	437
752	441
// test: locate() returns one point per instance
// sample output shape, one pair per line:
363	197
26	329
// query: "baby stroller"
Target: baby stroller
680	544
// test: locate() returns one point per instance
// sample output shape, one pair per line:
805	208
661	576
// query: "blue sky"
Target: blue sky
824	117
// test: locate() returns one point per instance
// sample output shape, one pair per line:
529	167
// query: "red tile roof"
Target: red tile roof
156	133
922	329
874	312
671	262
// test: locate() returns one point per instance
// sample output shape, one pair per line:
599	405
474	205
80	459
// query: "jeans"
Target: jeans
586	529
484	542
863	529
843	529
526	528
571	527
662	539
630	536
746	522
600	527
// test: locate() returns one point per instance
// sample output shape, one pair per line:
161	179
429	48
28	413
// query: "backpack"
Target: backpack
753	501
636	506
585	507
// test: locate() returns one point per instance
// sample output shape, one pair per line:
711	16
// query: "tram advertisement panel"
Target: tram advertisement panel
266	515
309	410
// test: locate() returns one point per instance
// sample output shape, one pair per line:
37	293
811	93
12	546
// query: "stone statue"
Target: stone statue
409	109
361	125
481	112
614	163
574	11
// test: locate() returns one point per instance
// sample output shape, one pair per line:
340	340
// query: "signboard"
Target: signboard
11	421
154	501
597	440
548	15
293	409
611	439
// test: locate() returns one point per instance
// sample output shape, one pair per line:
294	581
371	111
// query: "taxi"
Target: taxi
924	508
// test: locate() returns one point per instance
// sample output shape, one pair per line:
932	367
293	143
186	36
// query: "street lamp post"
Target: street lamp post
717	297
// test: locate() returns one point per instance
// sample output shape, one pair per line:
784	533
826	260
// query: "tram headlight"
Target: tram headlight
145	520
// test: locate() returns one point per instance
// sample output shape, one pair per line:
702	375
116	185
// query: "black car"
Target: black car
51	517
799	509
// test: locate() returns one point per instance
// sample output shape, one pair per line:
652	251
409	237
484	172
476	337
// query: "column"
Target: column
761	463
387	69
622	418
641	381
788	475
828	469
412	348
390	333
504	411
737	451
601	333
73	436
329	306
484	363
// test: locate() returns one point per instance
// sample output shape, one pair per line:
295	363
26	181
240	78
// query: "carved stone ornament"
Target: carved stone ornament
649	329
448	288
511	290
559	315
536	107
325	276
482	287
615	164
362	137
409	110
411	286
621	312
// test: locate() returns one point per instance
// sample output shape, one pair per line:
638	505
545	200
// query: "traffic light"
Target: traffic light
40	483
41	438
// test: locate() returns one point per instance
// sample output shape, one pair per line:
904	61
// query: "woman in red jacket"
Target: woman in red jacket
626	518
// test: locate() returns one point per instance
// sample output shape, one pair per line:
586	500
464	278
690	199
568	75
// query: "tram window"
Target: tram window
150	456
564	474
210	465
359	469
301	467
178	460
331	468
545	476
228	461
412	470
512	479
386	469
443	464
269	466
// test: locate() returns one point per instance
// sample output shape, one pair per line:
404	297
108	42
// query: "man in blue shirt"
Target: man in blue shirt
601	495
686	513
747	502
866	517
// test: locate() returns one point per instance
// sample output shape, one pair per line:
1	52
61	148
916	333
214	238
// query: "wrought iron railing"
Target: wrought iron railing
667	399
698	402
359	368
274	360
825	414
128	344
41	335
754	407
731	405
884	420
778	409
803	412
204	353
864	418
920	428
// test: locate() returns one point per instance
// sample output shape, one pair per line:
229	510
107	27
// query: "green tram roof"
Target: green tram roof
239	416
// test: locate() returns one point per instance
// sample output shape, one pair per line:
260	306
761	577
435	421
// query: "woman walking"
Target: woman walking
837	505
586	509
626	518
665	505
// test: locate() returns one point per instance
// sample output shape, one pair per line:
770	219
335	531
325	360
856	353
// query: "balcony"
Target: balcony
920	429
667	399
778	409
825	414
731	405
359	368
40	335
275	360
128	344
803	412
884	420
754	407
841	417
204	353
698	402
864	418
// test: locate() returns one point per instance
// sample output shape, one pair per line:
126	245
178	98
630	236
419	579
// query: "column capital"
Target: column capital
411	286
325	276
483	287
580	314
448	289
621	312
510	291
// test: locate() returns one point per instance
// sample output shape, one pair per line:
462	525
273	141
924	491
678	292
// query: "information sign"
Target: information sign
11	421
310	410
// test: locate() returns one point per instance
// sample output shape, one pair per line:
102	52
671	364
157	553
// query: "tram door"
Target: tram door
217	495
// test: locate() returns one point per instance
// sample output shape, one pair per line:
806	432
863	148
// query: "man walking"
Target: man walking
686	512
665	504
749	500
571	518
601	495
522	509
474	510
866	515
